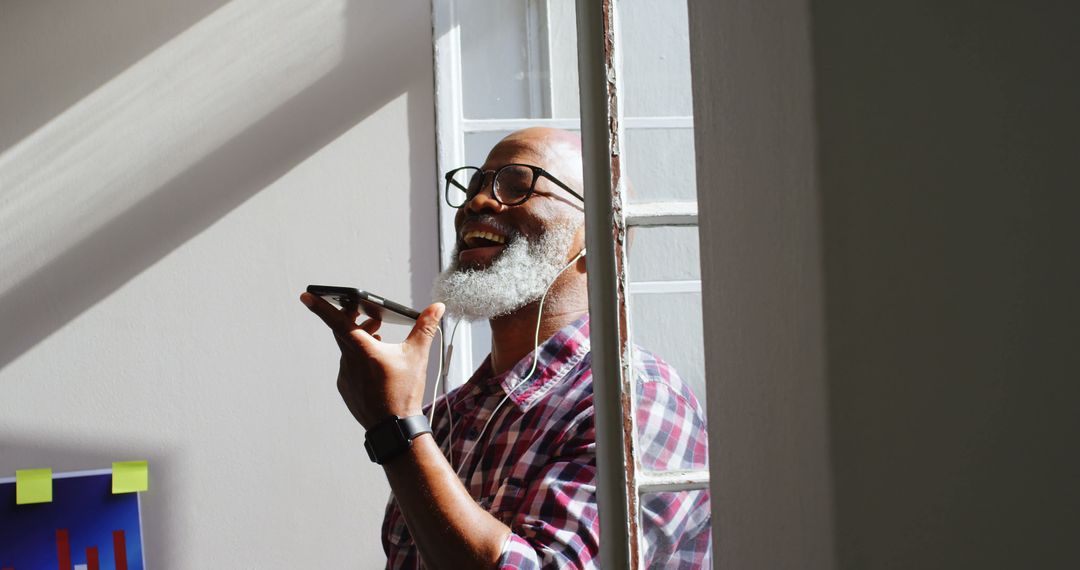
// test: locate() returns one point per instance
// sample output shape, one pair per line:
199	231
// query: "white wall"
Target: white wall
172	175
889	249
762	294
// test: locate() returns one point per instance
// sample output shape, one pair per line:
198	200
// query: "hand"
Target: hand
378	379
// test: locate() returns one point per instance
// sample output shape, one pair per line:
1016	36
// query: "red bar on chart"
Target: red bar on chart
63	549
119	549
92	558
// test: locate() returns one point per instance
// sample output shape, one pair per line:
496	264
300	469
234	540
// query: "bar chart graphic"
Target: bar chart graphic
85	526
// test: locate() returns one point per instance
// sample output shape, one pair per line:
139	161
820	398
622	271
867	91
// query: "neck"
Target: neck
513	336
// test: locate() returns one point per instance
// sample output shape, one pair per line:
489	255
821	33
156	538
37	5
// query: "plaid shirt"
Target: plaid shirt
535	467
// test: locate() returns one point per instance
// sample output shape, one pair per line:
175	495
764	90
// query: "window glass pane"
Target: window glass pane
478	145
660	164
667	326
481	342
655	72
675	530
656	58
496	82
562	49
518	59
663	253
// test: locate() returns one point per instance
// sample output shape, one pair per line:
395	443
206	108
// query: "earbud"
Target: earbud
573	261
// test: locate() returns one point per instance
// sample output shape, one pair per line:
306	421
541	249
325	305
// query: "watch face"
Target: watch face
389	436
385	440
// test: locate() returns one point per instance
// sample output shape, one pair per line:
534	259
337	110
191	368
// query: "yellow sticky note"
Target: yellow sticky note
33	486
130	476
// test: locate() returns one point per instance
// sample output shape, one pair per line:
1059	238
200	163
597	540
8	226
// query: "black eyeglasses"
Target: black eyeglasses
513	184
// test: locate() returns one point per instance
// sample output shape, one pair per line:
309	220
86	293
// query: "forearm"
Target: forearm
450	529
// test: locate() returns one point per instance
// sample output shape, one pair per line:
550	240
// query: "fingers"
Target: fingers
370	326
342	322
364	333
347	333
424	330
337	320
363	338
352	312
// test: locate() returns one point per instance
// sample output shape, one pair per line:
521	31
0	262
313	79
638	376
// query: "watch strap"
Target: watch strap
414	426
392	436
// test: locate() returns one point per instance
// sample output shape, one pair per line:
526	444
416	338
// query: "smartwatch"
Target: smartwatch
392	436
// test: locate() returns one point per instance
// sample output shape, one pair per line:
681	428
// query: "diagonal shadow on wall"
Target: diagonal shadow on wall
56	52
368	77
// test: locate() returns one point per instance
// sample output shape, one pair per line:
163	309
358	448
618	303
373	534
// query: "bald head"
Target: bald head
547	135
554	150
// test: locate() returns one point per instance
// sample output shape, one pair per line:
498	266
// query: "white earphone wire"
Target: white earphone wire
445	357
536	359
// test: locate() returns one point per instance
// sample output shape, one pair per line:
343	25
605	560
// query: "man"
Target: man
508	477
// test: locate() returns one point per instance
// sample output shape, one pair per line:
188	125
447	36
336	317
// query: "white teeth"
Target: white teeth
485	235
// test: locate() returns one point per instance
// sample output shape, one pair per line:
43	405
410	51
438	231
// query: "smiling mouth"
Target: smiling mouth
476	239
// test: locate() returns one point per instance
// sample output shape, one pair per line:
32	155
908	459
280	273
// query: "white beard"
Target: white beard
520	275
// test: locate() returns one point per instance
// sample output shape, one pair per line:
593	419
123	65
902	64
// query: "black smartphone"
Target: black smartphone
371	305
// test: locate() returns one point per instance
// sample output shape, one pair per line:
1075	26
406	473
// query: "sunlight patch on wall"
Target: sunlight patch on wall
156	119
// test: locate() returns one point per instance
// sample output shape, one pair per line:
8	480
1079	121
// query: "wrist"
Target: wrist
393	436
409	458
373	418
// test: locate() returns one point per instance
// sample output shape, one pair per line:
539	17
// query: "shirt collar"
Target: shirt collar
558	355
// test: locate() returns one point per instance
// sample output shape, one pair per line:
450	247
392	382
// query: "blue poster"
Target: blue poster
84	526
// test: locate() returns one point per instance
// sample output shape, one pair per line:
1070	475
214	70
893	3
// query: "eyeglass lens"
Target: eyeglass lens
511	187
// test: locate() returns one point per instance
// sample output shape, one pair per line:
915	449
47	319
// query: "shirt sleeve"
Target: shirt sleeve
675	526
557	525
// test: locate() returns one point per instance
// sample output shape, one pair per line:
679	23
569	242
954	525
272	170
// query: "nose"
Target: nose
484	200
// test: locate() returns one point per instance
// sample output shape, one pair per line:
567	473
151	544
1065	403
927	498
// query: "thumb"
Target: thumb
424	330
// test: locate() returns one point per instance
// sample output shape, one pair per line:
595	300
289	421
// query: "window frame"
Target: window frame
623	480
